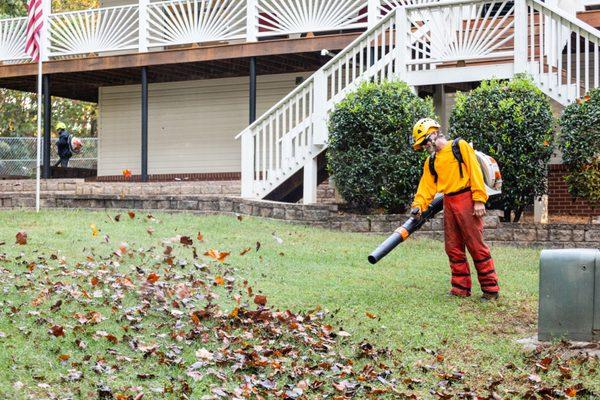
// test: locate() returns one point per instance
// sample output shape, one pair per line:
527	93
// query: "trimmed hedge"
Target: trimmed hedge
579	142
370	156
511	121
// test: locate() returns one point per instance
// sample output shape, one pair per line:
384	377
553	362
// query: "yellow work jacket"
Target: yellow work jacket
449	180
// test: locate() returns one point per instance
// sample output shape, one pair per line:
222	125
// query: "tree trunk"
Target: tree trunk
507	215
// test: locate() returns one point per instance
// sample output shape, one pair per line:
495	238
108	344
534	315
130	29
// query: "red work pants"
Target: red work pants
462	228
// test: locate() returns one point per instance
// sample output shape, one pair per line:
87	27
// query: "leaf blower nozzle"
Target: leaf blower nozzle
411	225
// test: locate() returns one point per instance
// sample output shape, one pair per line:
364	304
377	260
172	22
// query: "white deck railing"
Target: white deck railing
145	25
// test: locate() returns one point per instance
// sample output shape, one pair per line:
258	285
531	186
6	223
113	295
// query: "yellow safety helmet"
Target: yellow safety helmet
61	126
421	131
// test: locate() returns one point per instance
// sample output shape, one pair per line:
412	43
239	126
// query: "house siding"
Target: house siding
192	125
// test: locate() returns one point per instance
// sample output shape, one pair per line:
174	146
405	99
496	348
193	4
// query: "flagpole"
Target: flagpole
39	136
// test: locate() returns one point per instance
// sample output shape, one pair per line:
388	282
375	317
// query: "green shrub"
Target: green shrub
579	142
370	156
512	122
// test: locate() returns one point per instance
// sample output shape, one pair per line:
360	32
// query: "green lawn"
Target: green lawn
128	327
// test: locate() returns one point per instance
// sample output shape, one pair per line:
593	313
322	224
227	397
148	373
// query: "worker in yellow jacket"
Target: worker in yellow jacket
452	169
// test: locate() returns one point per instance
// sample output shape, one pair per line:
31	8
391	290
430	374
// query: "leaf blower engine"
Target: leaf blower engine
493	185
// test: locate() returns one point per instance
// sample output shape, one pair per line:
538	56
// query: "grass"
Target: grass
404	296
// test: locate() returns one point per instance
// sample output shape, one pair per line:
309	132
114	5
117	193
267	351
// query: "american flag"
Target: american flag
34	26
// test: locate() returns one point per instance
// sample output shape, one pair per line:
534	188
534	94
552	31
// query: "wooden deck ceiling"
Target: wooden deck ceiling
80	78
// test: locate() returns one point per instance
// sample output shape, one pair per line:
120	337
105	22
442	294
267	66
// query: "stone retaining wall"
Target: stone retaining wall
325	216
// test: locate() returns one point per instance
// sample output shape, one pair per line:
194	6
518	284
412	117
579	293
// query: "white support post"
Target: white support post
143	25
373	12
252	20
45	31
520	36
402	53
310	181
247	164
319	117
540	210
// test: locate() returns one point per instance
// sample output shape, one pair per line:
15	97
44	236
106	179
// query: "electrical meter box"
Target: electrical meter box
569	295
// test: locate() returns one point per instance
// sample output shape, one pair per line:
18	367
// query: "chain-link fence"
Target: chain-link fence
18	156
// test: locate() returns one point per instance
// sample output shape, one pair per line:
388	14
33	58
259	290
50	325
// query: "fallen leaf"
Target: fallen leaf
57	331
204	354
343	334
372	316
126	173
153	278
245	251
200	237
277	238
239	217
64	357
571	392
186	241
21	238
131	214
117	217
216	255
219	280
260	300
95	230
150	230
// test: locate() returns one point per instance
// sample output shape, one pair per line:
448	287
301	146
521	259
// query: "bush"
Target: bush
370	156
512	122
579	142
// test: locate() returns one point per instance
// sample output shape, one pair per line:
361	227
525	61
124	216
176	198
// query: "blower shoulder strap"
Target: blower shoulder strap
457	155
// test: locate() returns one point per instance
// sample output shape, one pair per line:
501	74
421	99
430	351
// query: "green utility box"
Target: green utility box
569	295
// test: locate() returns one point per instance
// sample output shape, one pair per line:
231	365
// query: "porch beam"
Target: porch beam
252	90
47	126
144	171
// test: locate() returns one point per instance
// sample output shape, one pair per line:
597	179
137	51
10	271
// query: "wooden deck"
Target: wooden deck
80	78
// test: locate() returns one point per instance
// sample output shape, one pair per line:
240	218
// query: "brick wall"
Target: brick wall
324	215
559	199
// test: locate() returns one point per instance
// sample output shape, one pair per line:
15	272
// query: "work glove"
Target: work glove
416	213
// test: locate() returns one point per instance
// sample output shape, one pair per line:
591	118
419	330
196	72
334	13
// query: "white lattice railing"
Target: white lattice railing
278	17
12	39
147	24
189	21
94	31
464	30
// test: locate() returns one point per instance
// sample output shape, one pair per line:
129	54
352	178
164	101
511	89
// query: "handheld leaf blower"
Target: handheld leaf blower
411	225
493	185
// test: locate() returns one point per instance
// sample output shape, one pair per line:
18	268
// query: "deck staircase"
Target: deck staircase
422	44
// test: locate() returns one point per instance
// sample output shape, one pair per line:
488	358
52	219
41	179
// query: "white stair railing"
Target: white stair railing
293	132
415	39
565	70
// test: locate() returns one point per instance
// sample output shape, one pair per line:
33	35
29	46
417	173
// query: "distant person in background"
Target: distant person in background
66	145
63	145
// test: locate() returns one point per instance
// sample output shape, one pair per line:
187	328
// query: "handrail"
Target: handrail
573	20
